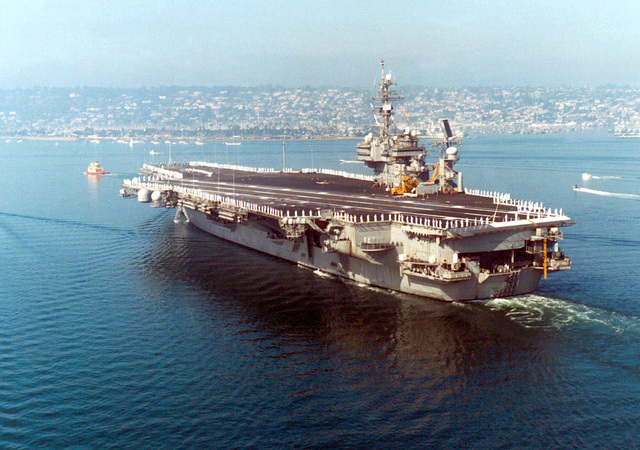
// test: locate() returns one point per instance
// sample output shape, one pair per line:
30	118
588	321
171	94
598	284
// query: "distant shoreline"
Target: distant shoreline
125	140
42	138
175	140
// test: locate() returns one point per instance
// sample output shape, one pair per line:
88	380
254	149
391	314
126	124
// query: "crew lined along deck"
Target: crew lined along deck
296	194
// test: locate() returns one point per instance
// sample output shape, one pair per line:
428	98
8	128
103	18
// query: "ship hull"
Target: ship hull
380	270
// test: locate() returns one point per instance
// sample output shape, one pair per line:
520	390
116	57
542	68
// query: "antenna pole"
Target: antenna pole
284	155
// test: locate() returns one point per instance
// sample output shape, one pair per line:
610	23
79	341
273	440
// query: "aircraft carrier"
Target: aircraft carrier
410	227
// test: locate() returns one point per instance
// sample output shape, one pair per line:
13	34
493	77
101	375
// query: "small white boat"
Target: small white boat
153	152
233	141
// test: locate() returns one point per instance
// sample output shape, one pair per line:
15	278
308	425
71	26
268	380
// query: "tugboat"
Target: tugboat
95	169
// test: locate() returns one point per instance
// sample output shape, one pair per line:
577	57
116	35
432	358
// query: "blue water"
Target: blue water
119	328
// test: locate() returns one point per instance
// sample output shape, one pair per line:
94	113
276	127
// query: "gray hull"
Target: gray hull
382	267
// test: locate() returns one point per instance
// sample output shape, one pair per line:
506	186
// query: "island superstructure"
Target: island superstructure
398	159
410	227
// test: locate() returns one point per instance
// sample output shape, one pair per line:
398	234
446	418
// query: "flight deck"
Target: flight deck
300	192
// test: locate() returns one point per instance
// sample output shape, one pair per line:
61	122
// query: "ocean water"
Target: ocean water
120	328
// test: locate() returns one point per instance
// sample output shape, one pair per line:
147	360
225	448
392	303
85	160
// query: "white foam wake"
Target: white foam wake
536	311
320	273
606	193
587	176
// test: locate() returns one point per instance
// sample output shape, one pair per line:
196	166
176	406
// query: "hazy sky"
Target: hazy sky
130	43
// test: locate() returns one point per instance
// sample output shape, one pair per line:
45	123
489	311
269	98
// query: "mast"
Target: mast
385	97
284	154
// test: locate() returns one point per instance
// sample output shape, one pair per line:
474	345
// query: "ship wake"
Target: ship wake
536	311
607	193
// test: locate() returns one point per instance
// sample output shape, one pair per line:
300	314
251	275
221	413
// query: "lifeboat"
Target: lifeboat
95	169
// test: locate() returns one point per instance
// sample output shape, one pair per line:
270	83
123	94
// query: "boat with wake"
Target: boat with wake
95	169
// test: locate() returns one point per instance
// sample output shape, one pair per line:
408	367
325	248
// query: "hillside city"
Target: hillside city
271	112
